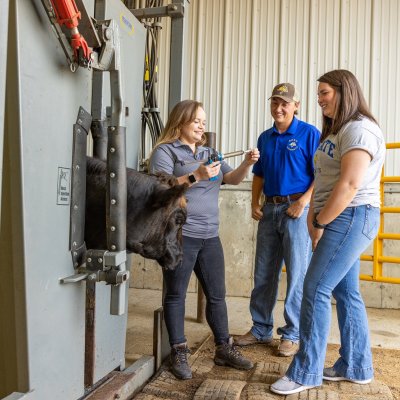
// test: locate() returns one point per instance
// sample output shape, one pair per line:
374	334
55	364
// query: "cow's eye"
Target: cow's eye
180	217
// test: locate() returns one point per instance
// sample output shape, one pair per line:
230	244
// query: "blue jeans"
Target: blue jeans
279	239
334	269
206	258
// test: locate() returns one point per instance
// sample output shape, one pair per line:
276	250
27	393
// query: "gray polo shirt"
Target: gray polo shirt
363	134
202	197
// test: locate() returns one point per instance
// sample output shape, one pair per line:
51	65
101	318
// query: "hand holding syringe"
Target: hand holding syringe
217	157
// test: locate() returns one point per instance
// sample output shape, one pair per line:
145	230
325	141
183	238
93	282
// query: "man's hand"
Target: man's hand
296	209
256	212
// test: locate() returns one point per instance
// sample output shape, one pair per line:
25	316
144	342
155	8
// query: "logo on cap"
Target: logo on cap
282	89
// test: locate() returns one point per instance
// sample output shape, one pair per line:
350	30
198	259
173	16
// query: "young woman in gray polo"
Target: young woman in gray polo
180	152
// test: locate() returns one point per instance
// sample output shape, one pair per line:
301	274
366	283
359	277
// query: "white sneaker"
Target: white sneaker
285	386
331	375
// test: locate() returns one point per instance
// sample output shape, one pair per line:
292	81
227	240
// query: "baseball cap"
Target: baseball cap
287	92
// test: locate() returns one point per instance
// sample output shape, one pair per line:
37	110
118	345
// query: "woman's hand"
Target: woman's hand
316	234
252	156
205	172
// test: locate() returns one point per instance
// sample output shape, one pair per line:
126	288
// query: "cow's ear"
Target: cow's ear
162	197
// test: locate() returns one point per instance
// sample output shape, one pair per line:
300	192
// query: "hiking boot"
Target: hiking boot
286	386
287	348
179	362
228	354
331	375
249	338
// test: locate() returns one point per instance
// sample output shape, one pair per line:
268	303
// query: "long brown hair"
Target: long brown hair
182	114
350	101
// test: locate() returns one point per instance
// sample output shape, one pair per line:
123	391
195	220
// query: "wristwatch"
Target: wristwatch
192	179
317	225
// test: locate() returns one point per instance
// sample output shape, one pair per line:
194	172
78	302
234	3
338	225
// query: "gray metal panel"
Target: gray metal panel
49	96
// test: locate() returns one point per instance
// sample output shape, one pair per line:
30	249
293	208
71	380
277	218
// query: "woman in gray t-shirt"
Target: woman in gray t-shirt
342	221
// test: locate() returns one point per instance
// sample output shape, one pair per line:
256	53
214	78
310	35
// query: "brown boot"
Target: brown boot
249	338
229	355
179	361
287	348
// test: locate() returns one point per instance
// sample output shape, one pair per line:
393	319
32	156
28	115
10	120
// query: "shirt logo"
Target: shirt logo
292	145
327	147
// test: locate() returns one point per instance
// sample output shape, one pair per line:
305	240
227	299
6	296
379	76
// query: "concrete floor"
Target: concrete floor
384	323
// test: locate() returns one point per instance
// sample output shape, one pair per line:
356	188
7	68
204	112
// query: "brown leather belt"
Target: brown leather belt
283	199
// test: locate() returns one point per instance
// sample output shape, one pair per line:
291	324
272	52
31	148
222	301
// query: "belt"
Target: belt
283	199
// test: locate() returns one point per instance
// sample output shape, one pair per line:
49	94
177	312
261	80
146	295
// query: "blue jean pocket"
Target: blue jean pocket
371	222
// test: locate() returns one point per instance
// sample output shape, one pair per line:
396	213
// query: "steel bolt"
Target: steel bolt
89	259
113	201
112	228
78	130
112	128
77	167
113	247
75	207
74	243
112	150
108	33
99	260
112	175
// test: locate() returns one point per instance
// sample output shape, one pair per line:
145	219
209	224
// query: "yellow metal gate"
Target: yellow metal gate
377	258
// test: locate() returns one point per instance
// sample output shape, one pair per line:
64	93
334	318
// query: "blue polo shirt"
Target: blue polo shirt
286	160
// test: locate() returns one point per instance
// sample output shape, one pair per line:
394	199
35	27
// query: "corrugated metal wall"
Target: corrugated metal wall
237	50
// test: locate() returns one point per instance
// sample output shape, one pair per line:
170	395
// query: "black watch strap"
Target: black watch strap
317	225
192	179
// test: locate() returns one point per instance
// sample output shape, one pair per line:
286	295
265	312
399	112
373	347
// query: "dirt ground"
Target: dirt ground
208	380
386	361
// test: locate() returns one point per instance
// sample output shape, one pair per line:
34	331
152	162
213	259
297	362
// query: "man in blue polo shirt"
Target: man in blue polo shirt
284	173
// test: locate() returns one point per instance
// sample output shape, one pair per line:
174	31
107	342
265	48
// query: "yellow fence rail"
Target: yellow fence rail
377	258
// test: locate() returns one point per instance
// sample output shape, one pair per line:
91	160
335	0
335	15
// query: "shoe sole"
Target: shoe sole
283	354
340	378
287	392
267	342
223	363
183	378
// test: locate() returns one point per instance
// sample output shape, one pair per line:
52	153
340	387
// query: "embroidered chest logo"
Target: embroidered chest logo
292	145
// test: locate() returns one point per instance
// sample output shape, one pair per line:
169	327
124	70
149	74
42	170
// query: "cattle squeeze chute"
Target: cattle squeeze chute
60	339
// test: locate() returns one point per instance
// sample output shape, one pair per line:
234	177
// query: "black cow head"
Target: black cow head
156	211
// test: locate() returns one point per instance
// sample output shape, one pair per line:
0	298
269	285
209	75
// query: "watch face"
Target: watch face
192	178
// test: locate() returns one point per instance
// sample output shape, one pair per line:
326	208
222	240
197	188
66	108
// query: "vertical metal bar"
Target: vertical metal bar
90	323
3	63
116	200
176	59
99	124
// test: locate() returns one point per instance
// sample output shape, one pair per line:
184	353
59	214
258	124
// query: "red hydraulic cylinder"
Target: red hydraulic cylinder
67	14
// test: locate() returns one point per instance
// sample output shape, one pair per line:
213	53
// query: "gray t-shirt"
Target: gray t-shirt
202	197
363	134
